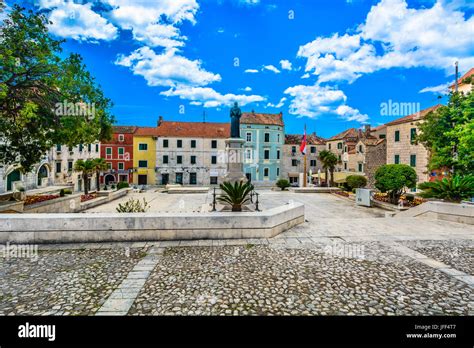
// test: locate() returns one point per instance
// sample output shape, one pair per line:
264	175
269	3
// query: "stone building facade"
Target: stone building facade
375	156
191	153
12	178
401	146
292	161
341	145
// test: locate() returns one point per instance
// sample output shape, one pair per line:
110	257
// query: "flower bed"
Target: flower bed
39	198
407	202
88	197
342	193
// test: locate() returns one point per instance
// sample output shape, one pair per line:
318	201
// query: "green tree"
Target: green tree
86	168
329	161
452	189
393	179
37	90
449	127
356	181
99	165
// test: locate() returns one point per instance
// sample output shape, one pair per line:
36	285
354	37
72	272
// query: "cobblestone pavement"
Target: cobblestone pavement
458	254
261	280
63	282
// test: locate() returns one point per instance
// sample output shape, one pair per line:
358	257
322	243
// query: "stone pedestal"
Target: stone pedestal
235	160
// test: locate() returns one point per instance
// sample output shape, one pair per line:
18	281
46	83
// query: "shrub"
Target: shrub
133	206
356	181
453	189
122	185
112	187
67	192
235	194
62	193
393	178
283	184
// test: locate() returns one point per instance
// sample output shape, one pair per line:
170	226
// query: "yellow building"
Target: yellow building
144	156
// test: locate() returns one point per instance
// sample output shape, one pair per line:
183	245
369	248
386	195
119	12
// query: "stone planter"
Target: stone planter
19	195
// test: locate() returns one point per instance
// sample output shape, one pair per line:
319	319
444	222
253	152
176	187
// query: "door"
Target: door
165	178
249	177
42	173
179	178
11	178
192	179
142	179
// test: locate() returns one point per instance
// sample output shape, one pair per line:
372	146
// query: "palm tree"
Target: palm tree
85	167
329	161
235	194
99	165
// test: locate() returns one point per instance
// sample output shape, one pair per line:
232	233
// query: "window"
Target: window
397	135
165	159
266	154
81	147
329	146
69	166
214	160
278	137
214	144
293	150
345	165
121	138
345	148
396	160
412	135
278	154
278	171
165	142
121	151
89	147
413	160
58	167
249	136
109	166
193	159
193	144
248	154
192	178
294	163
360	167
339	146
313	149
312	163
142	147
265	172
361	150
142	164
121	166
267	137
108	153
179	143
179	159
213	180
96	147
58	148
382	136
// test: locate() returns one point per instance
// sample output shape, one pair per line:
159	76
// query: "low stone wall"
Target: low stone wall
314	189
455	212
187	189
115	227
104	197
11	206
66	204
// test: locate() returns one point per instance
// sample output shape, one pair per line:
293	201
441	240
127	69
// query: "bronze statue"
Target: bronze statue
235	115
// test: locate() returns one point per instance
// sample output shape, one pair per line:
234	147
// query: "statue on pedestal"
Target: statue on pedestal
235	115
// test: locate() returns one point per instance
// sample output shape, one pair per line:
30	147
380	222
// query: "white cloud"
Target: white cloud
391	37
305	76
279	105
314	101
444	88
251	71
249	2
209	97
247	89
76	21
271	68
167	69
286	64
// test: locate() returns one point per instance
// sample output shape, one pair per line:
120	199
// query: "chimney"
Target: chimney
160	120
367	129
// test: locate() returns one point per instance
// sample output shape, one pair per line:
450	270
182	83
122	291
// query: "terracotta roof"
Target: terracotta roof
415	116
466	75
378	128
261	118
124	129
146	131
312	139
193	129
349	133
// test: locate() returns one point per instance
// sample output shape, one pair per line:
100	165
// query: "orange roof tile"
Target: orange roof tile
349	133
193	129
295	139
261	118
146	131
415	116
124	129
466	75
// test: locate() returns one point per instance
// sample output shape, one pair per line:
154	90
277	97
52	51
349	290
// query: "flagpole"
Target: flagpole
305	171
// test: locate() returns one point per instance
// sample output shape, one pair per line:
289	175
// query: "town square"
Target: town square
163	159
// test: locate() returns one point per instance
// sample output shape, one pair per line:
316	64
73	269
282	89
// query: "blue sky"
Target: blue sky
326	64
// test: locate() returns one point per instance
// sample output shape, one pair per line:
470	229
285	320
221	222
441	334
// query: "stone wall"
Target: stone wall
66	204
375	156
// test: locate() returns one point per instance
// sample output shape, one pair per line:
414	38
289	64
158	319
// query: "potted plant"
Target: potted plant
236	194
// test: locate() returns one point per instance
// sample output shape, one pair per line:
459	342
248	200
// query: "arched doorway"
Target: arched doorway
42	173
11	178
109	178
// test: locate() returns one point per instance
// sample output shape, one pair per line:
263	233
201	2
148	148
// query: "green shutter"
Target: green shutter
413	160
397	159
397	135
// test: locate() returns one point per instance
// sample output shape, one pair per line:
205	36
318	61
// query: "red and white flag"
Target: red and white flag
303	144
